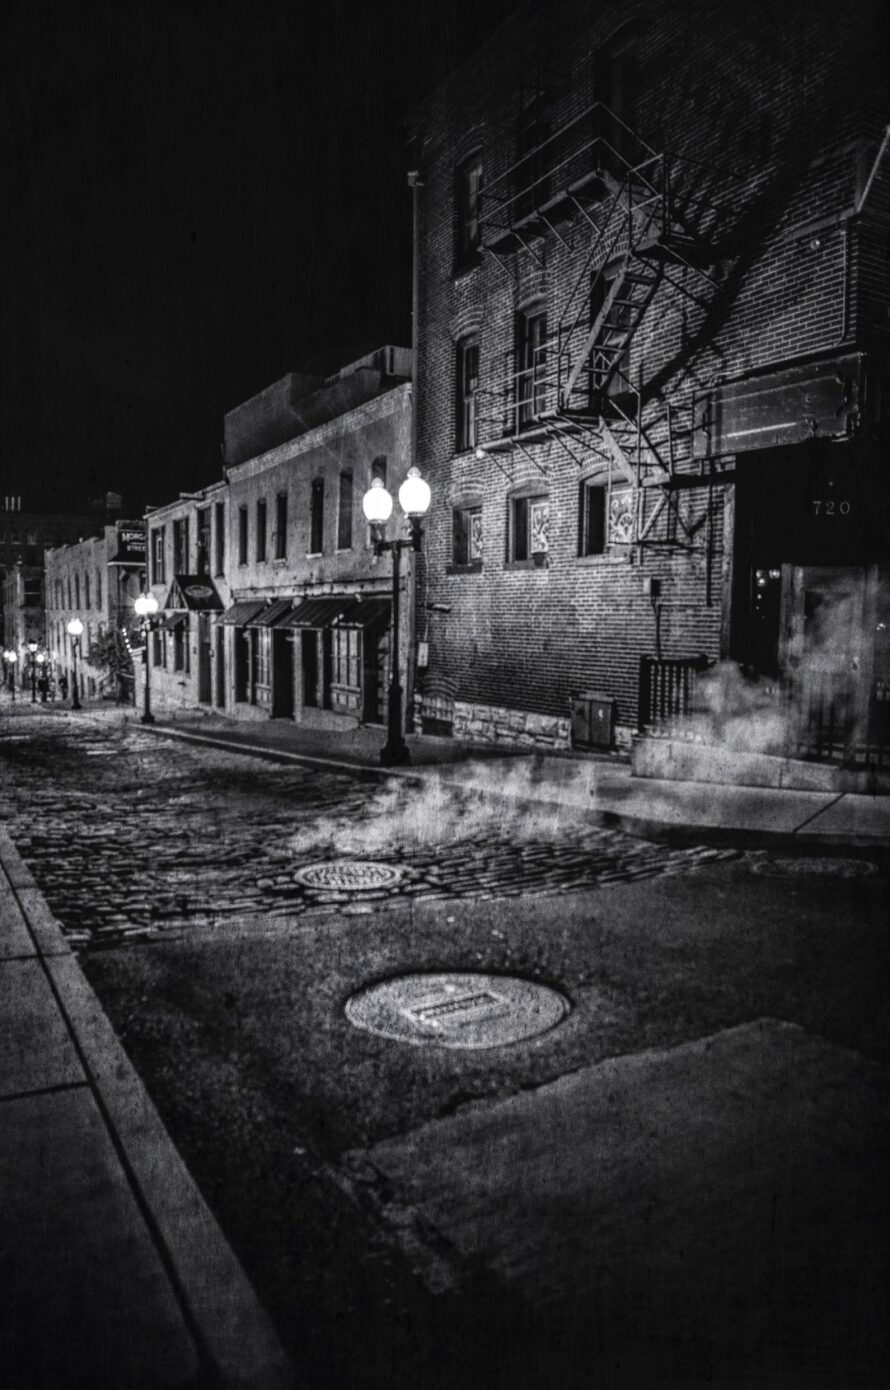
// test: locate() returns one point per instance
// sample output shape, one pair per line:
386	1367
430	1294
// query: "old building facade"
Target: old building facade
652	336
273	604
24	537
95	581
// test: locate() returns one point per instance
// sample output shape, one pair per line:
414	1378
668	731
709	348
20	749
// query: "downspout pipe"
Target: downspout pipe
415	183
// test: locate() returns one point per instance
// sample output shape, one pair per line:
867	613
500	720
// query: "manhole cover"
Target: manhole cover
471	1010
348	875
827	868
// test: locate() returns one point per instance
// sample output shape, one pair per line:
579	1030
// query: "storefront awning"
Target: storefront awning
240	614
193	593
172	621
318	612
365	613
273	612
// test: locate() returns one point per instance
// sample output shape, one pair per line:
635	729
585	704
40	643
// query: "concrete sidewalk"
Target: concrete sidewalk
602	788
113	1273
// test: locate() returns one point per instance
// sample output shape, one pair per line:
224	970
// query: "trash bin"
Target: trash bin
593	719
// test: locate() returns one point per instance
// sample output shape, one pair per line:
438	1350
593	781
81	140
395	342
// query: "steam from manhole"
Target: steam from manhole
804	865
348	875
457	1010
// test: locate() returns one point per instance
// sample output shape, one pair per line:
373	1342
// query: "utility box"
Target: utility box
593	719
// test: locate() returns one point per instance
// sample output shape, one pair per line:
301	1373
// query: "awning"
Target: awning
240	614
365	613
270	615
318	612
194	593
172	621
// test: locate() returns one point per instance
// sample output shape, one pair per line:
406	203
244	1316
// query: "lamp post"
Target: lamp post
32	648
42	682
12	658
414	499
146	606
75	628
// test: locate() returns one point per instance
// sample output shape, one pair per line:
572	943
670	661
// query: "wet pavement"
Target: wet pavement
131	836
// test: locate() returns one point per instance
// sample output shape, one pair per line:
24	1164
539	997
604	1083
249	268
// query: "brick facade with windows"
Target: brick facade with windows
674	263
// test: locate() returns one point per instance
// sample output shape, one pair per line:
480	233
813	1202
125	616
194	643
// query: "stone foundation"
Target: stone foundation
494	724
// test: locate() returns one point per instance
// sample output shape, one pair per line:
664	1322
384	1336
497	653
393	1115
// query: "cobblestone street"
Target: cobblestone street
130	835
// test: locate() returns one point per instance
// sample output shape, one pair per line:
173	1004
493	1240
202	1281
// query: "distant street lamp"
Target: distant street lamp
414	499
12	658
42	680
146	606
32	648
75	628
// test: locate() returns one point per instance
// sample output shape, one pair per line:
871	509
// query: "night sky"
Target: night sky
198	197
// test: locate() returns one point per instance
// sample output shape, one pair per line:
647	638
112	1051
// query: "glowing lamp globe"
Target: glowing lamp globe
414	494
75	627
377	503
146	606
11	657
32	647
41	658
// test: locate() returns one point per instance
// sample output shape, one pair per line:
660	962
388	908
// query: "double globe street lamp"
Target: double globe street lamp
146	606
32	649
414	499
75	629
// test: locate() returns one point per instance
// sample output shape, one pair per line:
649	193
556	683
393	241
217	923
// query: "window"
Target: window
615	79
158	547
86	591
262	668
98	588
181	546
344	513
531	183
159	648
261	529
242	535
68	581
531	363
469	204
467	536
316	517
529	527
59	594
77	591
467	385
347	658
591	519
378	469
219	524
33	593
203	556
281	526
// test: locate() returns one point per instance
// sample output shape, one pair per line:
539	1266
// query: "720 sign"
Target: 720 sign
831	506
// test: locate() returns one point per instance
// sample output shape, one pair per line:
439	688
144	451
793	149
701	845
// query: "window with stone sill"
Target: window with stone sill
468	208
466	546
529	529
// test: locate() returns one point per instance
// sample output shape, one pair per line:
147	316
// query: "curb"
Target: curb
665	832
235	1338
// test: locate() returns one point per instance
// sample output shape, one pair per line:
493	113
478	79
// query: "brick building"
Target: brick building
273	602
652	316
95	580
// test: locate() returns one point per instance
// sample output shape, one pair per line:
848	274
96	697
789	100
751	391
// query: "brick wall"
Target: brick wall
766	118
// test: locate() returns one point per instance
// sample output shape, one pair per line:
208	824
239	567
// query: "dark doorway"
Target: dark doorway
309	642
375	648
242	665
205	663
327	666
220	668
282	676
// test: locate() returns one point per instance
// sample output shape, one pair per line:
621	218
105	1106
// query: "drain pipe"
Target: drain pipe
415	183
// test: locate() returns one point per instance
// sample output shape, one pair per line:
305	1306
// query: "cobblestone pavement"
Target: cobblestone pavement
130	835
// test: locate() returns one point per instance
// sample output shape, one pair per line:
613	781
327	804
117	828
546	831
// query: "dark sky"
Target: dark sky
198	196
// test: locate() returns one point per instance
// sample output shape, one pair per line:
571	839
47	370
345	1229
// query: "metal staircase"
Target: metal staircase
616	194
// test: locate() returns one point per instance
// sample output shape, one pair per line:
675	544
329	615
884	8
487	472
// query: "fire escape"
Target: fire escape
601	194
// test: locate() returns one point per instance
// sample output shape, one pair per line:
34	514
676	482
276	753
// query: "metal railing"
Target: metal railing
667	689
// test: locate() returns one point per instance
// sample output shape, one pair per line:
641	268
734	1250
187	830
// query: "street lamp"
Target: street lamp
32	648
146	606
12	658
414	499
41	659
75	628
